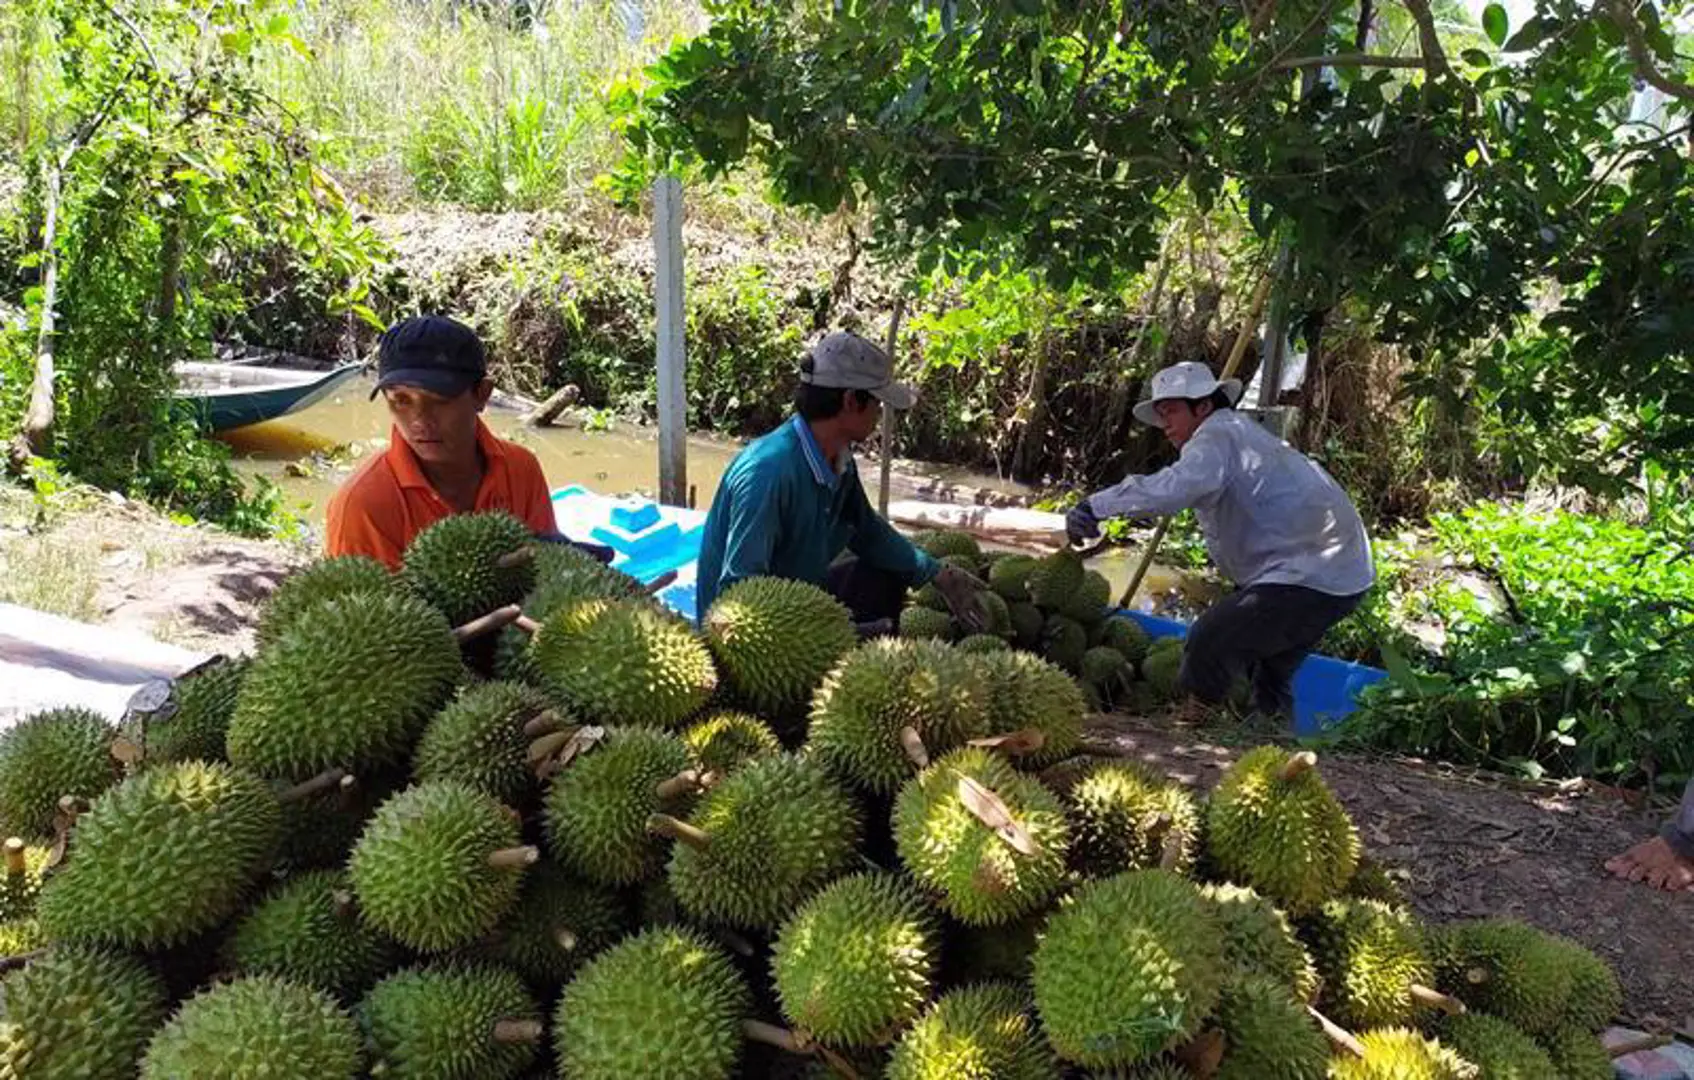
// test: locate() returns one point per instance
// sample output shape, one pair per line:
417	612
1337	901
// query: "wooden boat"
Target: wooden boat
224	396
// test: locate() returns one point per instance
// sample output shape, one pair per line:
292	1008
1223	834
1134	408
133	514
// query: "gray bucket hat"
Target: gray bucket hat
846	360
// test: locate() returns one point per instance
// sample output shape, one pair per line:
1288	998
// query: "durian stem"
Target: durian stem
317	785
1170	852
770	1035
1014	743
565	939
1338	1035
1634	1044
734	942
1297	764
516	1032
514	857
1476	976
660	583
542	724
498	619
126	750
1435	999
686	782
15	856
13	963
665	825
548	745
341	902
513	559
912	743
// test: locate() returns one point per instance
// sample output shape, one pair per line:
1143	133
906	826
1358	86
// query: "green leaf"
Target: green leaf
1495	23
1533	33
1476	58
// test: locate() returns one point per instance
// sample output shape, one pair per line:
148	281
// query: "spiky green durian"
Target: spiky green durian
1163	1068
774	831
1372	881
1130	966
1105	666
451	1020
1507	969
1026	692
1595	996
165	855
856	962
20	878
19	937
1499	1050
479	739
949	544
996	613
723	742
597	807
982	643
884	687
47	756
921	623
979	875
1579	1054
307	929
1273	825
1370	955
326	579
466	565
78	1012
625	662
1161	668
983	1032
665	1002
775	640
1268	1035
350	684
1127	637
1064	642
1257	939
196	729
1028	623
1400	1054
1055	579
563	575
256	1026
1010	577
1127	816
1087	605
438	865
557	925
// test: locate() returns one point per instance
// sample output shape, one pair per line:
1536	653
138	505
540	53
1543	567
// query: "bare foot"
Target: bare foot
1653	863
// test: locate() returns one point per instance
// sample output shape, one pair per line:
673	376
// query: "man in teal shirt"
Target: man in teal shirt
791	502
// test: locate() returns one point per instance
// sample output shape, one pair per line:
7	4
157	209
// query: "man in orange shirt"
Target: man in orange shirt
441	457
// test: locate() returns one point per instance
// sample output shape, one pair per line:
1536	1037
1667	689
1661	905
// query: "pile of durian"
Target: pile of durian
501	815
1057	609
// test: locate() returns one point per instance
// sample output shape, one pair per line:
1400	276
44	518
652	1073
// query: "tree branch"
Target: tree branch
1367	16
1429	40
1349	60
1624	15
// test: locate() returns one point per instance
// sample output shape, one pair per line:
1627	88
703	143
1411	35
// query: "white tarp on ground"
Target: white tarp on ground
48	661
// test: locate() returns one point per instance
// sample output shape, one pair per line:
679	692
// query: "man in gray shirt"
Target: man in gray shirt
1667	860
1275	523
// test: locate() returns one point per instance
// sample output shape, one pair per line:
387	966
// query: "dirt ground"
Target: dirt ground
1464	844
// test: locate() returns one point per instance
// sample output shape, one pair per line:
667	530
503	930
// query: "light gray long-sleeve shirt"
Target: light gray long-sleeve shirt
1270	514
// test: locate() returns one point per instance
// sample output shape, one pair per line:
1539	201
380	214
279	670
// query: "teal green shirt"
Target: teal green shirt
781	511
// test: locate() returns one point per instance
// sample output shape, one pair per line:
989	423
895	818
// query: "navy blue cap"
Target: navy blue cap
430	352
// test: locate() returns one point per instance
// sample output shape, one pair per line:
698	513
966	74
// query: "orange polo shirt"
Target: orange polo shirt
389	500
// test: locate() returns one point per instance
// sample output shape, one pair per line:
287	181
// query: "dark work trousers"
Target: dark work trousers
1679	830
869	592
1262	632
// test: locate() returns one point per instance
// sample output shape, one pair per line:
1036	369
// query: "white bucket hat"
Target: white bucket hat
846	360
1189	379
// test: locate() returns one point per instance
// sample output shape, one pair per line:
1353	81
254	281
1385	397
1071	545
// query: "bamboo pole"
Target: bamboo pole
887	448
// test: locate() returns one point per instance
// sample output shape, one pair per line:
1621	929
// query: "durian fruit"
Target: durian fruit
1595	996
1161	668
1268	1035
1127	816
949	544
1498	1049
921	623
256	1026
482	739
1257	939
20	937
1130	967
451	1020
996	613
1055	579
307	930
1579	1054
466	565
557	925
438	865
1127	637
563	575
1028	693
1163	1068
326	579
982	643
1010	577
1272	824
165	855
350	684
1507	969
663	1003
196	729
725	741
625	662
78	1012
1374	964
1105	666
20	883
856	963
1401	1054
981	874
598	806
1064	642
761	841
982	1032
1028	623
891	703
47	756
774	640
929	597
1087	605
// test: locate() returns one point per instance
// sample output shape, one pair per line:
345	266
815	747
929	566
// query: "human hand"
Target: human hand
960	590
1081	524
